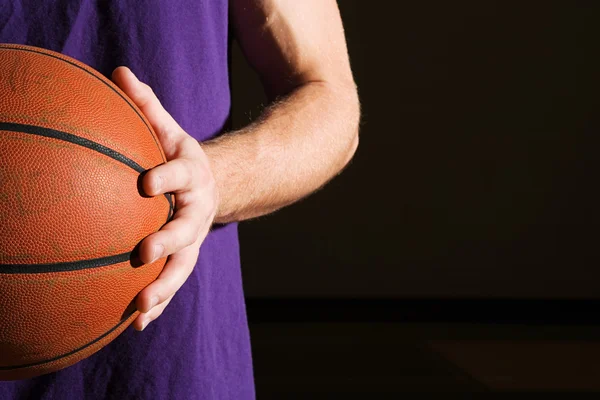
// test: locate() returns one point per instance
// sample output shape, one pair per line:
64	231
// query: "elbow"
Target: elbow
353	128
353	148
350	150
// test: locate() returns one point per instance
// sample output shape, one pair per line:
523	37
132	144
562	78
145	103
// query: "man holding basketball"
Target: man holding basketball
177	72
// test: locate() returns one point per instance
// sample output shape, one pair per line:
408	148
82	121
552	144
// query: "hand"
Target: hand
187	174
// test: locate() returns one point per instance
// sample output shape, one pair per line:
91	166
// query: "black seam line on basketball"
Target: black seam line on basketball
88	72
64	266
68	137
71	352
171	208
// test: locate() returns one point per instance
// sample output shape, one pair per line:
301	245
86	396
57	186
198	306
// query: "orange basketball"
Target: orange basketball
72	148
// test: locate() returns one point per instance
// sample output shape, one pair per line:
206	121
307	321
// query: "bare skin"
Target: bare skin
304	139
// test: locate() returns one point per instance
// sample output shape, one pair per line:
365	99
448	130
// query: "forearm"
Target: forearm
297	146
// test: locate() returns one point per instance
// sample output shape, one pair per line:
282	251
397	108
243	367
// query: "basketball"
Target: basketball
73	148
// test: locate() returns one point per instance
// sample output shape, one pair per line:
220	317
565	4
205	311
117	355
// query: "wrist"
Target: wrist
212	154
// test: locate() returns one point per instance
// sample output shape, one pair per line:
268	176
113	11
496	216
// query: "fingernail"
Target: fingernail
158	251
153	302
157	185
144	322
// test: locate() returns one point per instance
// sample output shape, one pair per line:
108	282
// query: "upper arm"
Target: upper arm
292	42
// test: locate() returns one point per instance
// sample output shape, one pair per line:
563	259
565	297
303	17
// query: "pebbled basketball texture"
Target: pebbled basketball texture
72	149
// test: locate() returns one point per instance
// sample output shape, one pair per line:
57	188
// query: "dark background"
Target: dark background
476	172
459	250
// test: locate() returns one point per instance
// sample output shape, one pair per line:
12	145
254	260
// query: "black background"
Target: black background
458	252
476	172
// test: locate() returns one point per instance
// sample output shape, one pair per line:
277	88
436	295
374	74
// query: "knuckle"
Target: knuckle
169	287
148	89
187	237
206	179
188	171
191	237
144	96
190	144
176	243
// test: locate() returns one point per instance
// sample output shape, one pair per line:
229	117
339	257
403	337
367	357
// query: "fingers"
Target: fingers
182	231
142	321
176	176
152	301
196	206
188	174
143	96
174	274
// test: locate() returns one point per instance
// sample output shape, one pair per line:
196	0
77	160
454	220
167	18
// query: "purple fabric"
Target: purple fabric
199	348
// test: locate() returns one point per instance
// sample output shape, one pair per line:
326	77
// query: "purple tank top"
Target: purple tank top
199	348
